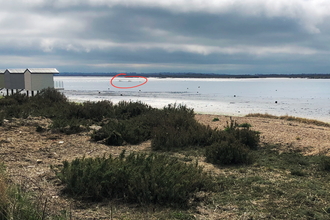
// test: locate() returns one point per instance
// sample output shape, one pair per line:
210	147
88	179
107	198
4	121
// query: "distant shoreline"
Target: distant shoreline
206	75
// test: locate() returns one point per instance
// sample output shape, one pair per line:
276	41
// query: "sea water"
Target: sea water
300	97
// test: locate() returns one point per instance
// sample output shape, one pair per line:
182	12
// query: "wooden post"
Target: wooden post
32	93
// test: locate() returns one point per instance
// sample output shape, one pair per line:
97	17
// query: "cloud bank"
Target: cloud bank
228	36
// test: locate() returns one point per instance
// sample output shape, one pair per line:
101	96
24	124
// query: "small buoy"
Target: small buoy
234	95
275	101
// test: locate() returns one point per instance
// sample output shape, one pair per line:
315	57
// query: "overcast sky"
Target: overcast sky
203	36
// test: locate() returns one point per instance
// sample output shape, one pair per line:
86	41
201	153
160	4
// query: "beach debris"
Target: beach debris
39	161
61	142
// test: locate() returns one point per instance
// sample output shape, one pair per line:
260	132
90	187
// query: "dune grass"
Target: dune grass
290	118
18	204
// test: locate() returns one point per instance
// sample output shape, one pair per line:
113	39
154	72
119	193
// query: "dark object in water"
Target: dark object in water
275	101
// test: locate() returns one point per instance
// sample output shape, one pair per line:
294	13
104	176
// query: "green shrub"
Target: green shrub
215	119
7	101
297	172
20	98
17	111
169	137
248	137
245	125
49	96
2	117
178	129
226	153
324	163
126	110
96	111
136	178
68	126
242	133
110	134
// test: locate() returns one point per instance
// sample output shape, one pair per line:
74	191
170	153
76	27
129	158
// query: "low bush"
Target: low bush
16	111
132	131
167	137
126	110
226	153
324	163
245	125
136	178
2	117
178	129
49	96
243	133
96	111
68	126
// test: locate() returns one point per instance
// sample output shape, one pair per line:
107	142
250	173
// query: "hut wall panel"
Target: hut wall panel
41	81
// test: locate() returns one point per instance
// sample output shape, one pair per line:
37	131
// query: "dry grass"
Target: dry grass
290	118
3	191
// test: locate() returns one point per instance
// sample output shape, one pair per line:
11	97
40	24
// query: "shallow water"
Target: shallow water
308	98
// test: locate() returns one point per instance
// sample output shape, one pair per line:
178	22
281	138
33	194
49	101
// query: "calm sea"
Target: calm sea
308	98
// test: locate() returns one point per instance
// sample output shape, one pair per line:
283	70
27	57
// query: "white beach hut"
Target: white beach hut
14	79
37	79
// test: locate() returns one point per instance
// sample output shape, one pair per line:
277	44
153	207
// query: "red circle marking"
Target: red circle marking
128	76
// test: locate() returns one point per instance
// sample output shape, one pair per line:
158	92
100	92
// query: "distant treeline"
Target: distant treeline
206	75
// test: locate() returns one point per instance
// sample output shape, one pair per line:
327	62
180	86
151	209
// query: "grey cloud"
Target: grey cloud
242	37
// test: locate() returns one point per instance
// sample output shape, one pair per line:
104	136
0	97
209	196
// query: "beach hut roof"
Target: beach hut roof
16	70
43	70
